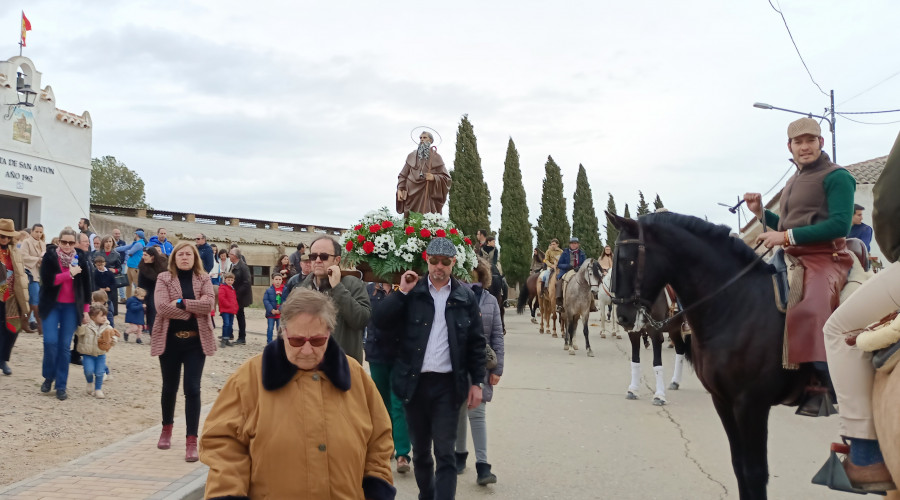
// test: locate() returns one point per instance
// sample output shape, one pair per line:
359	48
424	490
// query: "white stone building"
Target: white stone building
45	153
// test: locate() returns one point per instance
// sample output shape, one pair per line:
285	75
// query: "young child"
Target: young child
272	301
228	307
134	315
104	280
95	339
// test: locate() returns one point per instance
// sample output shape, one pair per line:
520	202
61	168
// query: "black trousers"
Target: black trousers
7	341
242	324
432	417
187	352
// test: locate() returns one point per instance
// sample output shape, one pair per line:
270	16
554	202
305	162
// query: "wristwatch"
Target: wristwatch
481	385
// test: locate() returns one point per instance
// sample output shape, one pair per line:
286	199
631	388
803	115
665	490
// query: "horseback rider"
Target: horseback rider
551	257
851	368
570	261
537	261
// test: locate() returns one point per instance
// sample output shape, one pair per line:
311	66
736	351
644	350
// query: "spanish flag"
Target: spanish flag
26	26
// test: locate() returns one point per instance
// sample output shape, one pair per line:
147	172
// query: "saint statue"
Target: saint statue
424	183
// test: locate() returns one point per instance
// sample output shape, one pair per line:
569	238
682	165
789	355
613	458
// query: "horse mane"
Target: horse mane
718	234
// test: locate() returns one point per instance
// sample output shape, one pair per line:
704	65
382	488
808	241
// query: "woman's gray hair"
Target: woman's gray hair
71	232
306	301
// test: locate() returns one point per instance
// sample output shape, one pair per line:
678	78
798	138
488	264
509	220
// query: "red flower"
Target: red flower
368	247
440	233
467	240
349	245
410	230
360	238
424	256
374	228
357	227
386	224
425	233
453	230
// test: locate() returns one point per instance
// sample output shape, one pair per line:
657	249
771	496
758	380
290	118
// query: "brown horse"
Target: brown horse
546	301
528	296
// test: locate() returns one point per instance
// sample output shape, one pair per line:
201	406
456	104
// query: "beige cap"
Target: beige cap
804	126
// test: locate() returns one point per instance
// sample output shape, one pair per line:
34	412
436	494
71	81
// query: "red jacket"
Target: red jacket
227	299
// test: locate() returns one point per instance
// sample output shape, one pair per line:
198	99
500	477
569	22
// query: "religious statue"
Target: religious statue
424	183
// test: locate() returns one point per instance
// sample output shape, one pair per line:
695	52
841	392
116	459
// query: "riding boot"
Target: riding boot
461	462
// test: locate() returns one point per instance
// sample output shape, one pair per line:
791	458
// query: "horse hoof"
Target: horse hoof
565	348
631	395
574	347
541	331
572	352
590	353
619	337
658	401
534	321
674	386
555	335
602	335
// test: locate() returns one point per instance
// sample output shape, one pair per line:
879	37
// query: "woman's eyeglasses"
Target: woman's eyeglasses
317	341
443	260
66	243
321	256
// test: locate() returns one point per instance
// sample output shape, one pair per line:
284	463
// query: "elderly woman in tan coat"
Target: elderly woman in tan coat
13	293
302	420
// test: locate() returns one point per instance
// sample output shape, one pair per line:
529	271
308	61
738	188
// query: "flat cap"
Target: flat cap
304	257
573	240
804	126
441	246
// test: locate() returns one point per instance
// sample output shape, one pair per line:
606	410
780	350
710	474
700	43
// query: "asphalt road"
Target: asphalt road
560	428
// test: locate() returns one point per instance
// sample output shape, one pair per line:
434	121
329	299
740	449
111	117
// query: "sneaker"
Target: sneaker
402	464
126	336
62	395
90	388
99	394
33	325
45	387
240	342
107	376
138	341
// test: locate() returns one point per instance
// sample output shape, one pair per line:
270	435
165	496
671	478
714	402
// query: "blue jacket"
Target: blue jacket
165	247
207	257
270	300
565	261
863	232
134	311
132	252
380	344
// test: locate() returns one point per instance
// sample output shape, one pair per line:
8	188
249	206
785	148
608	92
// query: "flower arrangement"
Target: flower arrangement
390	245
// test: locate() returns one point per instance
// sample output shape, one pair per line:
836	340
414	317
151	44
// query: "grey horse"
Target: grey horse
577	299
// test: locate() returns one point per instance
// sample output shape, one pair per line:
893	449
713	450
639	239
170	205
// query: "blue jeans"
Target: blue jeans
59	327
276	322
34	290
227	325
94	368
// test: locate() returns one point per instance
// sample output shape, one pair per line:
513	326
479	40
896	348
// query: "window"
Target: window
261	275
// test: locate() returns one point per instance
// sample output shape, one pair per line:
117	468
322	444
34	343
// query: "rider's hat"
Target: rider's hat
573	240
804	126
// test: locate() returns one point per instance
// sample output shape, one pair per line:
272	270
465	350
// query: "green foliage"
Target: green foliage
643	207
585	226
112	183
611	232
469	200
552	222
657	203
515	230
627	214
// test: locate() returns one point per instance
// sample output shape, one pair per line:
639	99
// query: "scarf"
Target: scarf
65	259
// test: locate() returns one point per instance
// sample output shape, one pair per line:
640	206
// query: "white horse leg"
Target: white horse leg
616	327
635	381
679	369
659	398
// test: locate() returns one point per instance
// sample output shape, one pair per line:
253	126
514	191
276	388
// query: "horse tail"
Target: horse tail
523	299
687	348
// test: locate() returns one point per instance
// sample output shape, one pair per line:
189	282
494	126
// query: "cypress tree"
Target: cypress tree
552	222
585	226
515	230
469	199
657	203
643	207
611	232
627	214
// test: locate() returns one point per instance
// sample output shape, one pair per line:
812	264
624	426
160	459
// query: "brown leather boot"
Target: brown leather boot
875	477
190	449
165	438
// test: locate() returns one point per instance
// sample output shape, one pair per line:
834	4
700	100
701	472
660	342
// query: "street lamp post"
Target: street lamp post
830	121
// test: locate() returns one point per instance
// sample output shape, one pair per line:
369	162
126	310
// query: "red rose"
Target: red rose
349	246
425	233
410	230
467	240
386	224
453	231
357	227
368	247
374	228
360	238
424	256
440	233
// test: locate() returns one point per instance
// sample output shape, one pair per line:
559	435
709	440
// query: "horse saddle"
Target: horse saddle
564	281
882	338
784	281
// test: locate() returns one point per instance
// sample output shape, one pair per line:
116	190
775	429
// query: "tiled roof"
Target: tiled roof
83	121
867	172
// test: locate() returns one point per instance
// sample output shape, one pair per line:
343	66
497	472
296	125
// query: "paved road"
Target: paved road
560	427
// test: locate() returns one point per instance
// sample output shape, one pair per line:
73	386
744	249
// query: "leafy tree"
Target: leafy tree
112	183
515	230
585	226
552	222
611	232
627	214
643	208
657	203
469	200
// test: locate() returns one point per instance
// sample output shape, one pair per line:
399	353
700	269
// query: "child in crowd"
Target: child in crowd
101	298
134	315
95	339
272	301
104	280
228	307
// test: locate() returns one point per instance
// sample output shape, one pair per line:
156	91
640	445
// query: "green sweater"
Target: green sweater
840	187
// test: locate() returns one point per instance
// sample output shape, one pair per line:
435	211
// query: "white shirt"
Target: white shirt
437	352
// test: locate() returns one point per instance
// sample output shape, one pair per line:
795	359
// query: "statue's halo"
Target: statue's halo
414	135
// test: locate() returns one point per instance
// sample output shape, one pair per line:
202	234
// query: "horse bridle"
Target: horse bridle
635	298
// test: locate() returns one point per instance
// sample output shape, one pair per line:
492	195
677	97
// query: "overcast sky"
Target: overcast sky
301	111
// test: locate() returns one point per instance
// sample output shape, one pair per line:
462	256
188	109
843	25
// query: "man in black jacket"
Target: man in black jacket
440	351
243	290
207	256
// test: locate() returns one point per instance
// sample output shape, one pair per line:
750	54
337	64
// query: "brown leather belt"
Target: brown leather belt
185	334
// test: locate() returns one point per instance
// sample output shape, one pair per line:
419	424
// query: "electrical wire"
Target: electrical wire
870	88
789	170
798	49
866	123
869	112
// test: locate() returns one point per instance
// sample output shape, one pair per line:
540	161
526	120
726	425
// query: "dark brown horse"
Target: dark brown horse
737	331
528	296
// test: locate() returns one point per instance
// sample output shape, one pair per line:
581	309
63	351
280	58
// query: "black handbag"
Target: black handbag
121	281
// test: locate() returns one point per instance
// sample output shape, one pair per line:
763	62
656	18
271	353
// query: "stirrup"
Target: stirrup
816	402
833	475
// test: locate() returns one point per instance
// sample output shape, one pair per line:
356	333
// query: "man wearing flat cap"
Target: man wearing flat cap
440	353
569	261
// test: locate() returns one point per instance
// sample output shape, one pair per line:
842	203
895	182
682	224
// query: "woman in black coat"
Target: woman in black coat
153	262
114	263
